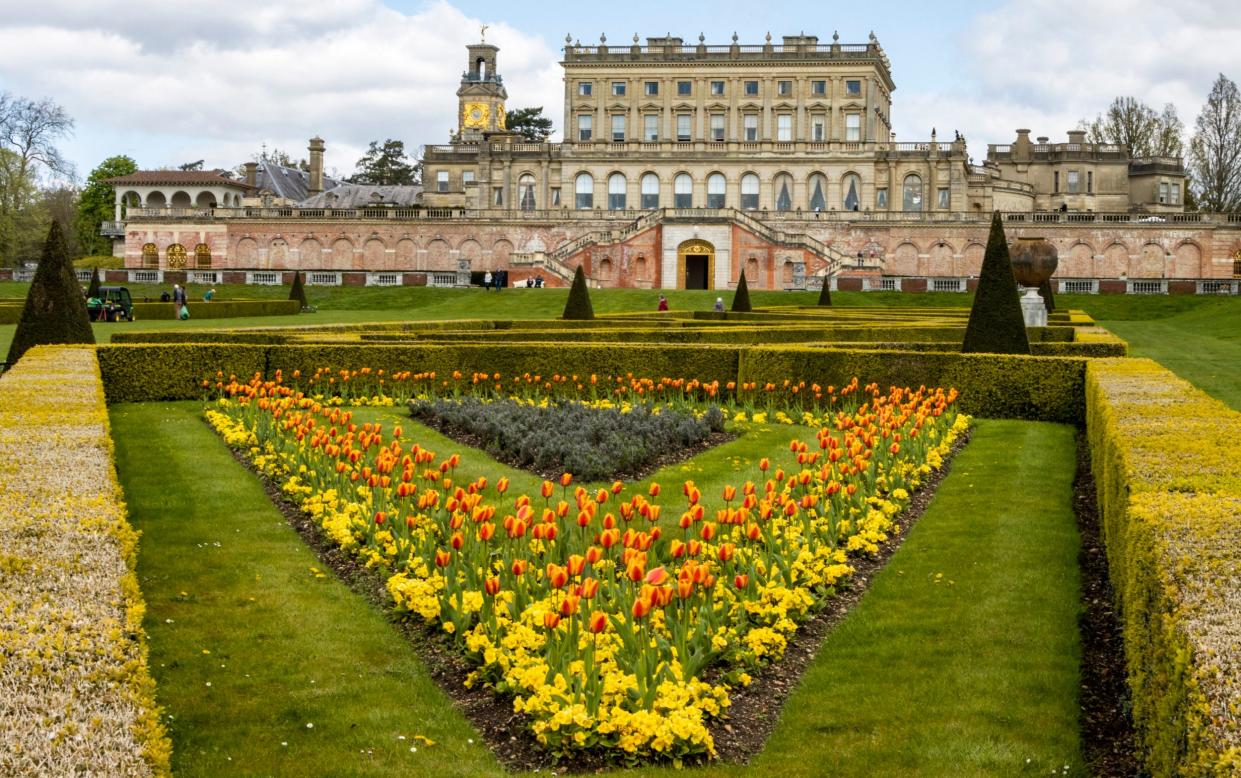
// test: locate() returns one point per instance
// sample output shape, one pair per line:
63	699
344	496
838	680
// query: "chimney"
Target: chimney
316	166
1042	140
1077	136
252	173
1022	148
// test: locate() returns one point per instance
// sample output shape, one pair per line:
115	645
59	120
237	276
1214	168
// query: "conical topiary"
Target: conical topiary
93	289
577	307
297	291
825	295
1049	299
996	325
741	298
55	309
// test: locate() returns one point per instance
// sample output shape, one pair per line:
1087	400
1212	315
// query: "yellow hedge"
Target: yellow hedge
1169	487
78	697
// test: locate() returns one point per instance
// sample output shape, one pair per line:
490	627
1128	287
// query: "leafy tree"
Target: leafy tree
741	298
55	310
298	291
97	203
22	216
825	294
1129	121
386	165
996	325
531	123
578	307
1215	150
29	131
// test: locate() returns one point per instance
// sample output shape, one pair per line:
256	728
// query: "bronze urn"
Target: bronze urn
1034	260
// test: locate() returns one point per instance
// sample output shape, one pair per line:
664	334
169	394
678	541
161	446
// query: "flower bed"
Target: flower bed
617	620
77	694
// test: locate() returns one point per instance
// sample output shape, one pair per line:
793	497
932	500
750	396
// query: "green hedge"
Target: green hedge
141	373
1169	492
1100	349
218	309
991	385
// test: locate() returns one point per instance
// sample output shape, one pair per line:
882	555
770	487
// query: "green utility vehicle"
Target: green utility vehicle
113	304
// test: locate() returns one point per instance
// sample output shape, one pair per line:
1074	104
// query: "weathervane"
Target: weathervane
482	32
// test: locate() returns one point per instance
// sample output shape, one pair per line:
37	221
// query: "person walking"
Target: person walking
663	303
719	305
487	281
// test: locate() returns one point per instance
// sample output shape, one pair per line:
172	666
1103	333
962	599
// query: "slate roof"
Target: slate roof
288	182
361	195
178	178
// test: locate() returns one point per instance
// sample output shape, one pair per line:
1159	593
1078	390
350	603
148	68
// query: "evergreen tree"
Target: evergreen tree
55	309
387	164
825	295
741	298
996	325
93	289
531	123
297	291
1049	298
577	307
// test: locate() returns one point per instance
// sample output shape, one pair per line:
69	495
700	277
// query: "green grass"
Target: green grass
969	674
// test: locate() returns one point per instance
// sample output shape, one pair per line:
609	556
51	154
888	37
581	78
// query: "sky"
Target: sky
171	82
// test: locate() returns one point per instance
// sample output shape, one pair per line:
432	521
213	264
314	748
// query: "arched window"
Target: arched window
749	192
784	192
525	192
604	270
584	187
683	191
650	191
911	193
617	185
202	256
851	191
176	256
818	187
150	255
716	187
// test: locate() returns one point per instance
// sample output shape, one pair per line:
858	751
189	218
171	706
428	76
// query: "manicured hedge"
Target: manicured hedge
141	373
995	386
1099	349
1169	491
219	309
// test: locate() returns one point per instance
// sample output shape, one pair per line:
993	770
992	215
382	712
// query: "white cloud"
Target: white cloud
202	87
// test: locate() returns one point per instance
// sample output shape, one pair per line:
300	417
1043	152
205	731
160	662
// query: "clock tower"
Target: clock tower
480	98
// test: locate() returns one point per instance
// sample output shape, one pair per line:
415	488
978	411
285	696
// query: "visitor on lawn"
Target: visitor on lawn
209	295
663	303
487	281
719	305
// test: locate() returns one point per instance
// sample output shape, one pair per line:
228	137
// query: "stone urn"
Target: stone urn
1034	260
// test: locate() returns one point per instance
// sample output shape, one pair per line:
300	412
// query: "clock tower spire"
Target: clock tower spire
481	95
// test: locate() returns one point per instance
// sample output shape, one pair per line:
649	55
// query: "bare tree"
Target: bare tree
1215	150
1130	122
30	129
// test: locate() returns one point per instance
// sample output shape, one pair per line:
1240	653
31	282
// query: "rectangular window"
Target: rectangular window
717	126
1174	193
651	88
618	89
1073	181
499	196
881	198
555	192
818	128
750	121
650	127
853	88
717	88
944	198
853	126
467	177
1055	181
784	127
818	88
441	181
684	126
784	88
751	88
685	88
1089	182
618	126
585	88
1163	191
584	124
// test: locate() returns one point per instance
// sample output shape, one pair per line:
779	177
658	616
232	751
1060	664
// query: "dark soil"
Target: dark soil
1107	727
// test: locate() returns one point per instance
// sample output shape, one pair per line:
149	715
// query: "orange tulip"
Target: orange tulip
557	576
486	531
576	564
656	576
730	492
551	620
685	589
640	608
636	571
590	587
598	622
492	585
457	541
654	490
442	558
519	567
741	580
546	489
708	531
677	549
568	606
566	479
502	485
726	552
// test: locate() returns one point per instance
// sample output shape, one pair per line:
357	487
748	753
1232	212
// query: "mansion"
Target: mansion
682	166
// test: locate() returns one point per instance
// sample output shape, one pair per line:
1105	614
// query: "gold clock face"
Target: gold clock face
476	114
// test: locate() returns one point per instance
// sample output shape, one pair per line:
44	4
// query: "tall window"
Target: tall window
525	192
651	88
618	88
497	196
1074	180
683	191
1089	182
749	192
585	122
616	191
202	256
717	88
150	255
554	196
467	177
1163	191
911	193
441	181
584	187
818	189
650	191
750	122
1055	181
944	195
881	198
716	187
684	126
851	192
853	126
784	192
717	126
618	126
784	127
1174	193
818	127
650	127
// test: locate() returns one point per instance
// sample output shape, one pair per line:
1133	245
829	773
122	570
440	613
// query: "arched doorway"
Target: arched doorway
696	264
